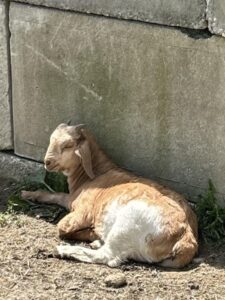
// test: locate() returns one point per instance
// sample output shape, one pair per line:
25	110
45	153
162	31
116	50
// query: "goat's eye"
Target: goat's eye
67	146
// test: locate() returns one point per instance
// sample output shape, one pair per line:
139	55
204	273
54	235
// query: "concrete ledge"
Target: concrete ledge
5	118
182	13
17	168
194	14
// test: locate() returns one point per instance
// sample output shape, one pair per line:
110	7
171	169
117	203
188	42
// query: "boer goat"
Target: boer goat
124	216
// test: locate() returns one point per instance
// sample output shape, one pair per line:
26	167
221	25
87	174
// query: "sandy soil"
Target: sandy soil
29	270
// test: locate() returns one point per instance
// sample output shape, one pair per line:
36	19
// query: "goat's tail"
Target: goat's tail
183	251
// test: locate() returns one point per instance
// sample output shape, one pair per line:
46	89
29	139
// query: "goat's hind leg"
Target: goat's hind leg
100	256
111	253
116	250
61	199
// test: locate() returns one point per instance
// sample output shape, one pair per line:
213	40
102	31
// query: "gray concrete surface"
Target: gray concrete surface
190	14
5	122
216	16
155	103
17	168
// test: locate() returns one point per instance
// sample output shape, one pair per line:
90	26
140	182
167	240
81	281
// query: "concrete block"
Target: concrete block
190	14
153	96
5	119
216	16
18	169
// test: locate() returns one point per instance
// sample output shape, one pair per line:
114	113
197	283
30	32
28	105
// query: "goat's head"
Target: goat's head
68	149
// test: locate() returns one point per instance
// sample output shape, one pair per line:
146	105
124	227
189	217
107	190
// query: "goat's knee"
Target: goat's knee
71	233
62	233
65	230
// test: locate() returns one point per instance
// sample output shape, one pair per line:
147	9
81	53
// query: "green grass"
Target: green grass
8	218
51	182
211	216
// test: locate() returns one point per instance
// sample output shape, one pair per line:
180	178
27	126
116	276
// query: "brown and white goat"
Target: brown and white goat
128	217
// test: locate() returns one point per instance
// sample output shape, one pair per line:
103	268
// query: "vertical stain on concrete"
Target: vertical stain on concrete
6	118
162	111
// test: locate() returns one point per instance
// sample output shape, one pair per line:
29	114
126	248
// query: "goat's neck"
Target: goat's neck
100	161
79	177
101	164
76	179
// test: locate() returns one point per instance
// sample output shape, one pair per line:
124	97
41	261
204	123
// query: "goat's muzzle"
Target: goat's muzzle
50	164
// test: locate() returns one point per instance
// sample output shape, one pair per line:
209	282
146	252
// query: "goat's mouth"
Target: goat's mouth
54	168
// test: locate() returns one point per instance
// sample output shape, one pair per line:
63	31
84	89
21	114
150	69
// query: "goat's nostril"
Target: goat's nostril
47	162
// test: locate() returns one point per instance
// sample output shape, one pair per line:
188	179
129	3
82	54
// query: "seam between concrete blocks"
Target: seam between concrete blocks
8	36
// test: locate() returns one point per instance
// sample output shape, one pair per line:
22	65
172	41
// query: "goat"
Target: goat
124	216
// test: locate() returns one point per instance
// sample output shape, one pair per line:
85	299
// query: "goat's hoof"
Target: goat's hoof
63	250
55	254
114	263
26	195
60	250
96	244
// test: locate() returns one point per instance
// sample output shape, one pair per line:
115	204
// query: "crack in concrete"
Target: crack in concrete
55	34
8	36
44	57
54	65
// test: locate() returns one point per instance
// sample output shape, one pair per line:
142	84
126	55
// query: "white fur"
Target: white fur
126	231
128	227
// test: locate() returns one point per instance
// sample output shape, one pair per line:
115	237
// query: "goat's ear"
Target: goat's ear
84	153
62	125
76	131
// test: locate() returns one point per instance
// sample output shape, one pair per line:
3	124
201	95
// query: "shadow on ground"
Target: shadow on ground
7	187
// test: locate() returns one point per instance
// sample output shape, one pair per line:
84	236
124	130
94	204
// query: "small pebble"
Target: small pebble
198	260
116	280
193	286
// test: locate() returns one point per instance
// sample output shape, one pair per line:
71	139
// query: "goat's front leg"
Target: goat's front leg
61	199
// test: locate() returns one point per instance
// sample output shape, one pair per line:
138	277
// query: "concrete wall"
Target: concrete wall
5	116
153	96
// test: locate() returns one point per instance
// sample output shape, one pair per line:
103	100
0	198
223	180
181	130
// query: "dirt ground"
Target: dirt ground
29	270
